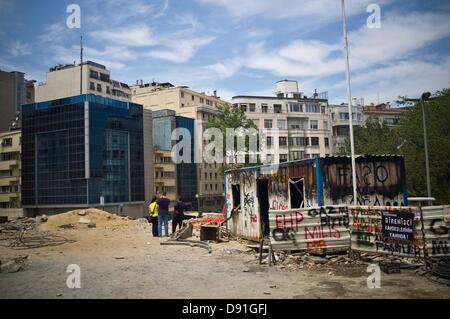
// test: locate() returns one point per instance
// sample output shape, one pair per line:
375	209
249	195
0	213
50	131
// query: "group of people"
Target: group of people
158	211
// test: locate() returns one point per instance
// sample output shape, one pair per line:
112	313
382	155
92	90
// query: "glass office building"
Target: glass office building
76	150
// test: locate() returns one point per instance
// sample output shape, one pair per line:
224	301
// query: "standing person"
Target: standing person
178	215
163	214
153	213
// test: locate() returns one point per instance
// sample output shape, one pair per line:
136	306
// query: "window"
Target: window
283	141
7	142
202	100
267	123
312	108
314	125
282	124
283	158
295	124
182	95
325	125
252	107
264	108
93	74
299	141
216	186
269	140
193	98
5	173
244	107
92	86
99	87
314	141
277	108
206	175
315	155
327	142
343	116
108	90
104	77
295	107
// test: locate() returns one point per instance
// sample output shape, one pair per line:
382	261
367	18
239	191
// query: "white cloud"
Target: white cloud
136	36
54	33
227	68
180	50
19	49
314	10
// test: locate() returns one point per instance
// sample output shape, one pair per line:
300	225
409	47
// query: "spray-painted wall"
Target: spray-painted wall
321	229
381	181
436	224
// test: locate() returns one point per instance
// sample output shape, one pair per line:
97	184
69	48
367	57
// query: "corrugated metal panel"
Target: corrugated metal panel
437	230
366	232
312	229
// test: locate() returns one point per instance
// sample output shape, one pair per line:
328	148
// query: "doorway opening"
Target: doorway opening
236	193
297	192
263	200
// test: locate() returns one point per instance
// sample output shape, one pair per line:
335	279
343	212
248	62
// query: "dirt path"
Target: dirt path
128	263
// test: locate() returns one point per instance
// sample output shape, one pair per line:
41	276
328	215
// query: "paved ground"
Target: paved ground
127	262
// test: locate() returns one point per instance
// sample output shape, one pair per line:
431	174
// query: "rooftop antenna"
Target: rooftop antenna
81	65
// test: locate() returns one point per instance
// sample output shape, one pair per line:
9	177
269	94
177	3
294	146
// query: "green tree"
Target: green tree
410	132
231	117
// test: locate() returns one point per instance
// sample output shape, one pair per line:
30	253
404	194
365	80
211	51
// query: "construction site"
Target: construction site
119	258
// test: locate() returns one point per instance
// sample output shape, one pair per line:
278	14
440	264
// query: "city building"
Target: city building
340	124
85	151
199	107
177	180
304	123
384	114
10	169
68	80
15	91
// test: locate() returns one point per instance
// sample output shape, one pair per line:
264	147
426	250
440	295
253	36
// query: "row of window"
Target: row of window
201	99
10	156
296	124
308	107
216	187
7	141
114	92
298	141
9	189
211	176
99	76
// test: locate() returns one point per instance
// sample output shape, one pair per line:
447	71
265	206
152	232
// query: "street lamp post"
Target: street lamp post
426	96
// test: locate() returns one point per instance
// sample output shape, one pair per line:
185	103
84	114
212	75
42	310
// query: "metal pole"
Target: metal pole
81	65
427	164
349	92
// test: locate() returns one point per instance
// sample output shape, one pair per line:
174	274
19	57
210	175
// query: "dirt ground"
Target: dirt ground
125	261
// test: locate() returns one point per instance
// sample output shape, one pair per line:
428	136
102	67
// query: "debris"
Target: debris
44	218
92	225
246	270
209	232
67	226
120	257
267	293
185	242
84	220
274	286
82	213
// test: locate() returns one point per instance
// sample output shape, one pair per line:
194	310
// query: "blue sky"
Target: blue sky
238	46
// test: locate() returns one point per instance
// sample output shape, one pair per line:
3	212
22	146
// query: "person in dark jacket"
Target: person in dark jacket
178	215
163	214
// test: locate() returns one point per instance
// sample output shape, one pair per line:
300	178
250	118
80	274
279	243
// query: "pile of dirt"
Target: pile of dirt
85	218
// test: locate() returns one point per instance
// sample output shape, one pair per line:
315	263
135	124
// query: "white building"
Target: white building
65	80
304	123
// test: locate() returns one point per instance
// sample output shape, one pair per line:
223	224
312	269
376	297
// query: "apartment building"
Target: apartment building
384	113
199	107
10	170
340	122
15	91
68	80
304	124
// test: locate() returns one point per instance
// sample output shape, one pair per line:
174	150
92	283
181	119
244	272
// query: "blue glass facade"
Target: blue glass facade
76	149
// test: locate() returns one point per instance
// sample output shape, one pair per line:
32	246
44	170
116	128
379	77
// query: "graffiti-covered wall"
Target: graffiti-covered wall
246	221
321	229
381	181
387	230
436	223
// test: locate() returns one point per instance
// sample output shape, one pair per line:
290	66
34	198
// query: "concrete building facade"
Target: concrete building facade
15	91
304	123
10	170
199	107
384	113
64	81
340	119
